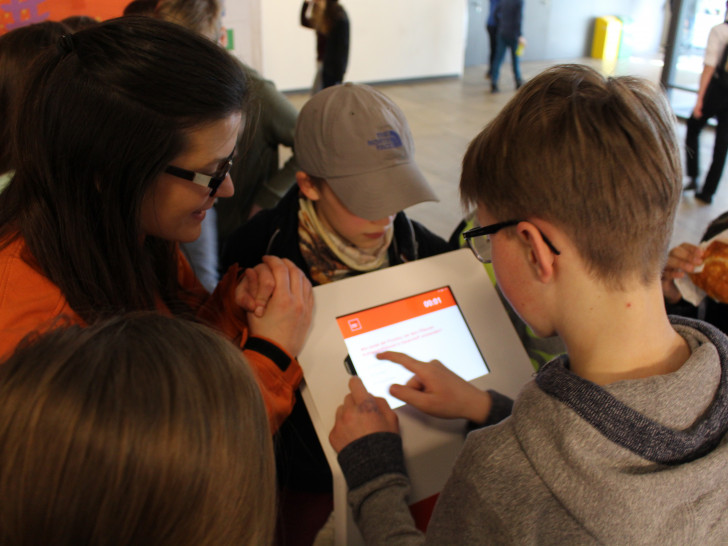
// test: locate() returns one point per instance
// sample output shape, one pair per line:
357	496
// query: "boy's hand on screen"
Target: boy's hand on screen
436	390
287	315
361	414
682	260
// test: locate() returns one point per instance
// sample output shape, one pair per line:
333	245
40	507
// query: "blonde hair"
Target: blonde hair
143	429
596	156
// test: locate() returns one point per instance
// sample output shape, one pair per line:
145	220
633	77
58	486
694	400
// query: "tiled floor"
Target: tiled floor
446	114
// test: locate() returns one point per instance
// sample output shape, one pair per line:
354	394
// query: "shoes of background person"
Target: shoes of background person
704	199
494	88
519	83
692	185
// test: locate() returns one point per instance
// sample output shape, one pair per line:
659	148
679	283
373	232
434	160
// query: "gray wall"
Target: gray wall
563	29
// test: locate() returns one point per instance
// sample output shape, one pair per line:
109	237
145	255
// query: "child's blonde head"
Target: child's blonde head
596	156
143	429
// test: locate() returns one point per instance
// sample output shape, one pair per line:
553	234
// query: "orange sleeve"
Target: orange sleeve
28	300
278	374
278	385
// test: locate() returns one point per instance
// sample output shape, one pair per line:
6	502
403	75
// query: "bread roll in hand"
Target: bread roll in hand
714	276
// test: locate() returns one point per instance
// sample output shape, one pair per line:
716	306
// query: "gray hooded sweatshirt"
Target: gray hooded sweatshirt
636	462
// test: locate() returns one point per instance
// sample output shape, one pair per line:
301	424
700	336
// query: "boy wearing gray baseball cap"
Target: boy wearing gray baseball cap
358	173
344	218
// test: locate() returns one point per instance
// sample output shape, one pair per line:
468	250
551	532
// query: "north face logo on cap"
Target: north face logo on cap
386	140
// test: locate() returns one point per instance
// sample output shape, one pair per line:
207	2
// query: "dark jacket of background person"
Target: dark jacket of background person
332	49
259	182
275	232
509	16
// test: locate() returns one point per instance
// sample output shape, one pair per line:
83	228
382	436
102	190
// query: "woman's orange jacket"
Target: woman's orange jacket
30	302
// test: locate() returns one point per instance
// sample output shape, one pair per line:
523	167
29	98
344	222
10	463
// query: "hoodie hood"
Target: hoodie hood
649	450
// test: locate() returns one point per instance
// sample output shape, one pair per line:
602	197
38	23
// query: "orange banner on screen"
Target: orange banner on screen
394	312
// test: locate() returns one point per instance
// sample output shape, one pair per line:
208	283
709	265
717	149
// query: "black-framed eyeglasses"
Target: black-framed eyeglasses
209	181
478	239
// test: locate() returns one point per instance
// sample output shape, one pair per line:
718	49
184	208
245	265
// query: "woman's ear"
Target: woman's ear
307	186
540	256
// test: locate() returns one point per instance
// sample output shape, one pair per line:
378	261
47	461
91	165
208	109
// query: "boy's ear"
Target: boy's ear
540	256
307	187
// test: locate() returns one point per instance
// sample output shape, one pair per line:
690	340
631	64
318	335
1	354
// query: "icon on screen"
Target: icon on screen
354	324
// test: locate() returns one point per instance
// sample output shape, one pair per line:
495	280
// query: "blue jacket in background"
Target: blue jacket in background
491	14
509	15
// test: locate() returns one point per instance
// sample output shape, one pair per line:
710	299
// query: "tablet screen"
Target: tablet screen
427	326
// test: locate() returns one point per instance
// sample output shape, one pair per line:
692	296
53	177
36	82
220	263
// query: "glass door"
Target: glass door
690	25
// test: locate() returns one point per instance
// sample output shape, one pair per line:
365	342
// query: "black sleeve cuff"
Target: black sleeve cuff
500	408
682	308
372	456
270	350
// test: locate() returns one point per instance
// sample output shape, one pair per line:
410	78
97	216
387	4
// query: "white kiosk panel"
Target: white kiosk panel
424	303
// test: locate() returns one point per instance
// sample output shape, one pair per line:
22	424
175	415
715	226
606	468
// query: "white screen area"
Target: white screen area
427	326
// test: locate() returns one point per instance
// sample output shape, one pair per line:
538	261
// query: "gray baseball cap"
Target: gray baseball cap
358	140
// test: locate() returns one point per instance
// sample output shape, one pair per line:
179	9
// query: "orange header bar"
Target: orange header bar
394	312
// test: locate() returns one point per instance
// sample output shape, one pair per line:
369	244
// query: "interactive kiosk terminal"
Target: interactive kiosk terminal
443	308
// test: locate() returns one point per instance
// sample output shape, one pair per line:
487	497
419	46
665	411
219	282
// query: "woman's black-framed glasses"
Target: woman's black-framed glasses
478	239
209	181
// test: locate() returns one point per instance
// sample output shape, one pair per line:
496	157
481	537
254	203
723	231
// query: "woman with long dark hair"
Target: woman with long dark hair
126	139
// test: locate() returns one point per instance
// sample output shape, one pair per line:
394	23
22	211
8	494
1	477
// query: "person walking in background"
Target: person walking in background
492	27
508	16
331	23
712	102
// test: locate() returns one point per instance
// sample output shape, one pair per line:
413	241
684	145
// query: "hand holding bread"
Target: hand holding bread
682	261
713	278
